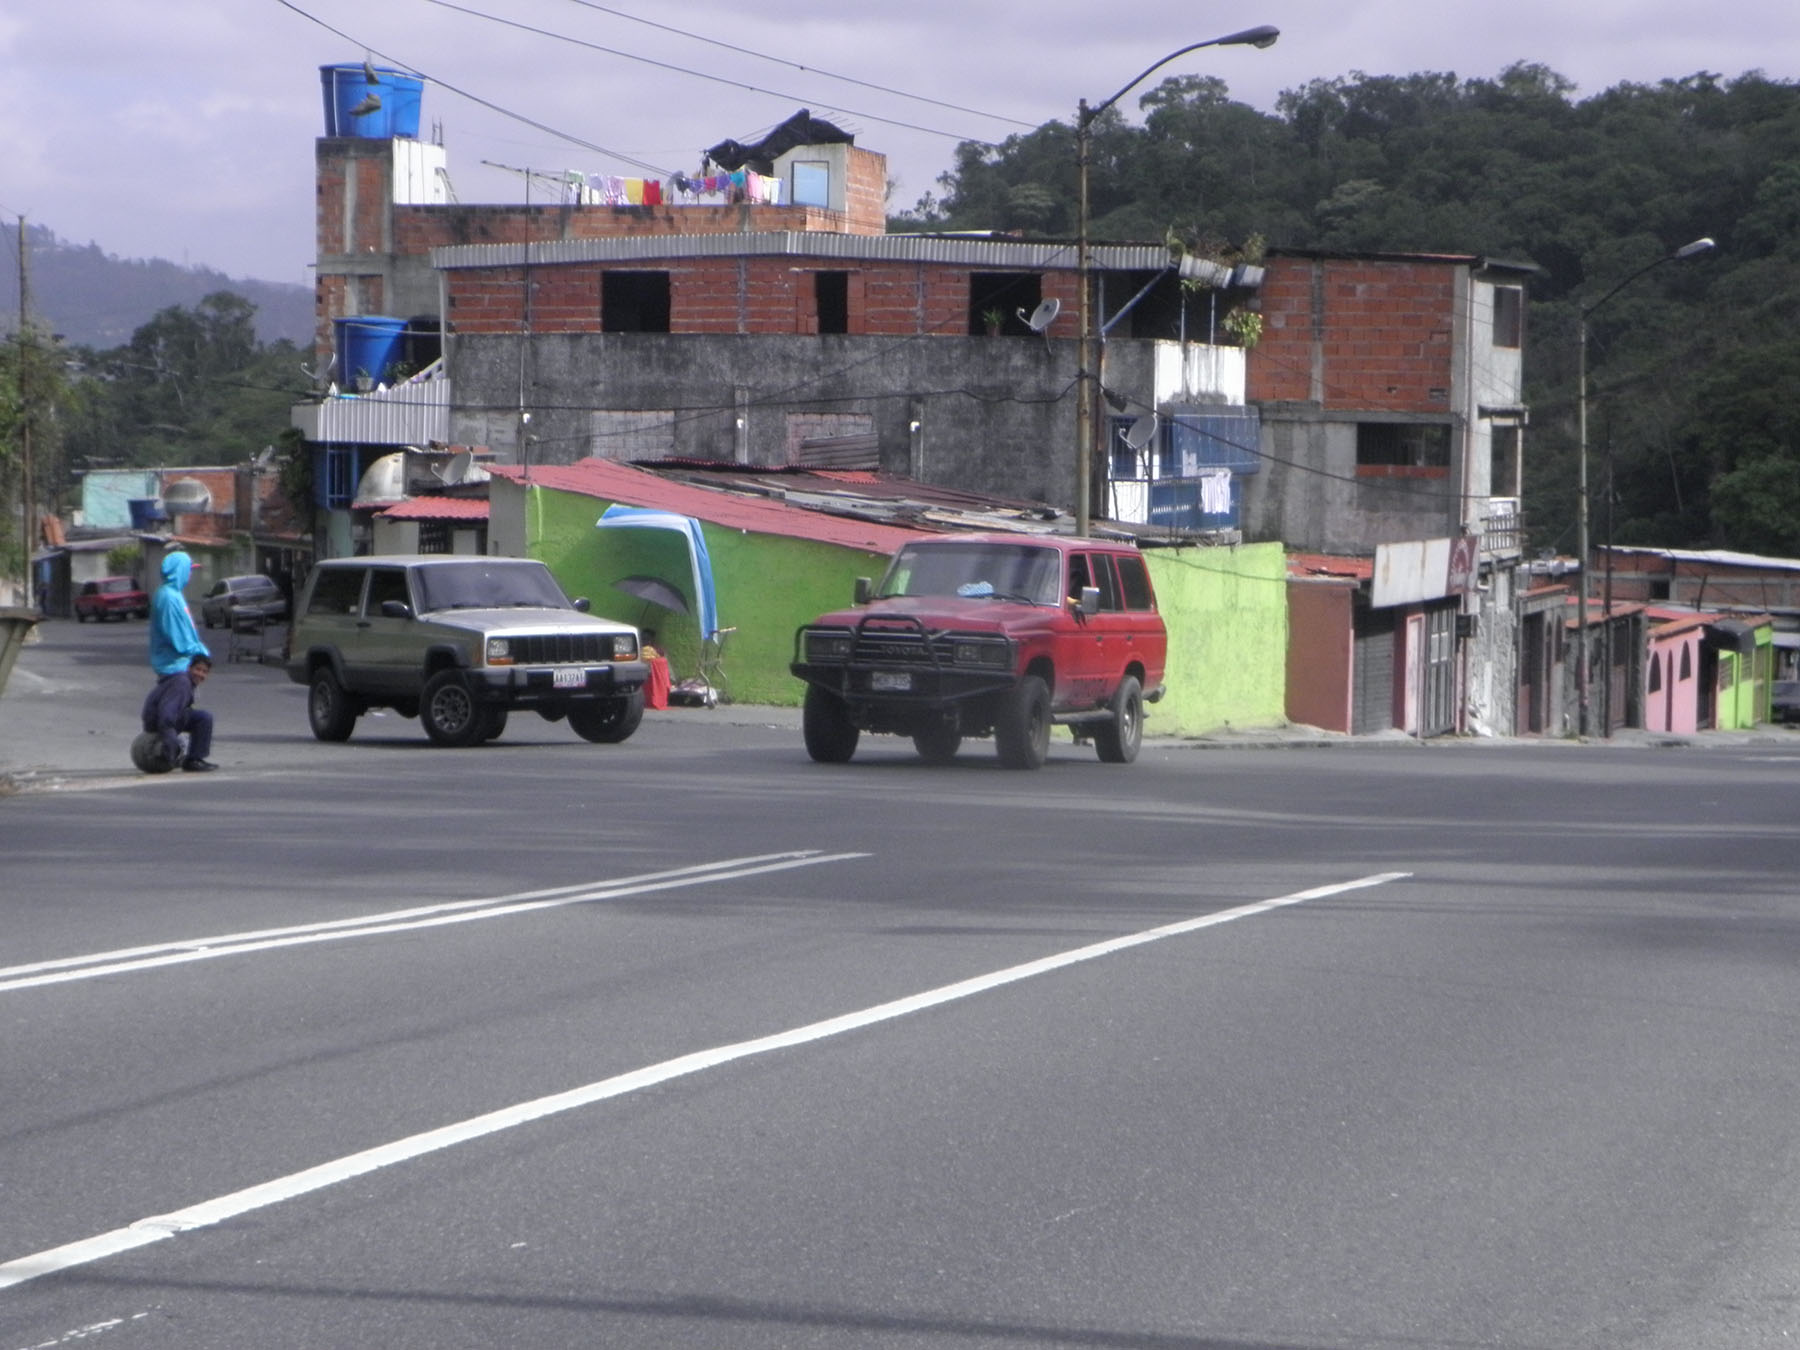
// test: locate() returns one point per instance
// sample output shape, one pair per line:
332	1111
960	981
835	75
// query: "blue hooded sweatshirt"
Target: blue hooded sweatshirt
173	641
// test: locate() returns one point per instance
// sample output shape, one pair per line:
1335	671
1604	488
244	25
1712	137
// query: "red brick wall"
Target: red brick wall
733	295
1379	334
865	193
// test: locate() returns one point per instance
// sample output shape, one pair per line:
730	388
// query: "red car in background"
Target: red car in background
111	598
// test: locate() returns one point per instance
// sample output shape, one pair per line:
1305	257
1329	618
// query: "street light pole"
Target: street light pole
1261	36
1582	665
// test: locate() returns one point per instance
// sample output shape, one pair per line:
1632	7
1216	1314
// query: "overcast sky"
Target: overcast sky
183	129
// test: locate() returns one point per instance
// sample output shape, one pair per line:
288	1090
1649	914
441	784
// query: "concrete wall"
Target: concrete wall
999	418
1226	612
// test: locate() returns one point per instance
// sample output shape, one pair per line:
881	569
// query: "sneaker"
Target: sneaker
197	766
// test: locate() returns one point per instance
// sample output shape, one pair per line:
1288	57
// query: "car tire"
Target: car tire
1118	739
607	721
1022	730
496	722
939	742
825	724
80	617
329	708
449	710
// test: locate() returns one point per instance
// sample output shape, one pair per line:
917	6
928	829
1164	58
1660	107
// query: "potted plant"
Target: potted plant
995	319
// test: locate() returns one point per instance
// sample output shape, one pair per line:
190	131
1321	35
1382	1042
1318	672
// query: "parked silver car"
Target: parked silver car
233	597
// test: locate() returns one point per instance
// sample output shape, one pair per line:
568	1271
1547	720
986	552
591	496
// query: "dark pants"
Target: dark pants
198	723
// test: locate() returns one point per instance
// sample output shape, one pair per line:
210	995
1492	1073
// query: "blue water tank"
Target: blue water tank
368	344
146	512
347	88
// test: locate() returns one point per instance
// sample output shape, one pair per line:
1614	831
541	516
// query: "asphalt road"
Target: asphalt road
691	1042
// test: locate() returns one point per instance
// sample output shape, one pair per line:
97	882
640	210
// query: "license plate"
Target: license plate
568	679
890	681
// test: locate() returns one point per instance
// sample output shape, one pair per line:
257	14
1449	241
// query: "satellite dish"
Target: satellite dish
1043	316
1138	434
458	468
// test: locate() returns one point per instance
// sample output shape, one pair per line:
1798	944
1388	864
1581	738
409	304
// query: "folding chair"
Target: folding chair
712	665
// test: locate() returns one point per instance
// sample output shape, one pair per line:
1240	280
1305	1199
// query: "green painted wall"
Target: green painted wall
1746	701
1226	612
767	587
1226	608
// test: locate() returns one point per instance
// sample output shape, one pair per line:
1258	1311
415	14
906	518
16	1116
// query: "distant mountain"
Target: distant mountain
95	299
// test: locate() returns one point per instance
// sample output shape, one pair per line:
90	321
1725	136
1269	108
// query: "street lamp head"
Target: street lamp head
1263	35
1703	245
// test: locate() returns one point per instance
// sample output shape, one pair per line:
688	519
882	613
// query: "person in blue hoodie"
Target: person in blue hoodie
173	639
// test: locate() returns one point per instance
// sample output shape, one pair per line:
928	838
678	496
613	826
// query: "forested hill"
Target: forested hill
1695	367
95	299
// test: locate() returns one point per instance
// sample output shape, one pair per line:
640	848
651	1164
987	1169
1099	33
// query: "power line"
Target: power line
699	74
810	70
619	155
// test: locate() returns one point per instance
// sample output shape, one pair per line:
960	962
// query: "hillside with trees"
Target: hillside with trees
96	299
1694	368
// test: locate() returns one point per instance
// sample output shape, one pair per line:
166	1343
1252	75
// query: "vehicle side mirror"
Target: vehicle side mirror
396	609
581	603
1090	599
864	589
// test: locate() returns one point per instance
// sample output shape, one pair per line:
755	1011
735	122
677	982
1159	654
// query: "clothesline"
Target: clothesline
595	189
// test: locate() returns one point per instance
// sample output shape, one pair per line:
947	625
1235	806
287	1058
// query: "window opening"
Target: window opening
812	183
634	302
831	296
1509	316
995	298
1403	449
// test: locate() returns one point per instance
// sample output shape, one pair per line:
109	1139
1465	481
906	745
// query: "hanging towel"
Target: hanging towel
634	191
1215	494
652	192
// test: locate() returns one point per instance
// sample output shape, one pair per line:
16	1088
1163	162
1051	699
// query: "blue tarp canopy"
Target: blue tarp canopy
706	603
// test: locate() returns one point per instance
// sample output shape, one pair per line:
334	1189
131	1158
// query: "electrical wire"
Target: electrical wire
810	70
699	74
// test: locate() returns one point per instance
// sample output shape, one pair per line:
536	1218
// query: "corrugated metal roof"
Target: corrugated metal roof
609	481
954	250
1719	556
415	413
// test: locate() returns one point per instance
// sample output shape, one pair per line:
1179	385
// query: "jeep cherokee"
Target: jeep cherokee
458	642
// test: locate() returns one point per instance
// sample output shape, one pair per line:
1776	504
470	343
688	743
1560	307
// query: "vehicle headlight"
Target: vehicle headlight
625	647
499	652
827	645
988	653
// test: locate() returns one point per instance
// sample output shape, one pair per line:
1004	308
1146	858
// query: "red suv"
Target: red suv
110	597
989	634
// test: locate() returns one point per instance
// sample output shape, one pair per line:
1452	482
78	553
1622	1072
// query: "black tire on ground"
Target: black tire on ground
329	707
150	754
1118	740
938	743
448	708
826	726
496	721
1022	731
80	617
606	721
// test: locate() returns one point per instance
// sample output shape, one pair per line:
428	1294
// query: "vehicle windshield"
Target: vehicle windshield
1024	572
116	585
489	584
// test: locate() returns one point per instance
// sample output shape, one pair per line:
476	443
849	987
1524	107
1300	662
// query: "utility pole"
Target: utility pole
27	513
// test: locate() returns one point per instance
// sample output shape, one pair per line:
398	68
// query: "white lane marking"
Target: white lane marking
221	1208
64	969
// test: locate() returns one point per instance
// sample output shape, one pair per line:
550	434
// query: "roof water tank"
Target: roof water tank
383	482
187	495
377	109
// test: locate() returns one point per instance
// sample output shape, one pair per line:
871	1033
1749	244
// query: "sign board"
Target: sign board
1421	570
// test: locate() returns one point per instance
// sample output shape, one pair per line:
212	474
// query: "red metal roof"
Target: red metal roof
1328	565
438	508
610	481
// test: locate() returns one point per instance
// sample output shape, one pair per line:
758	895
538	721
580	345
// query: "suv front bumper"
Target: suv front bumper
525	685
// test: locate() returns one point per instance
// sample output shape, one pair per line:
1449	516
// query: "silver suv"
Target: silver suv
458	642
